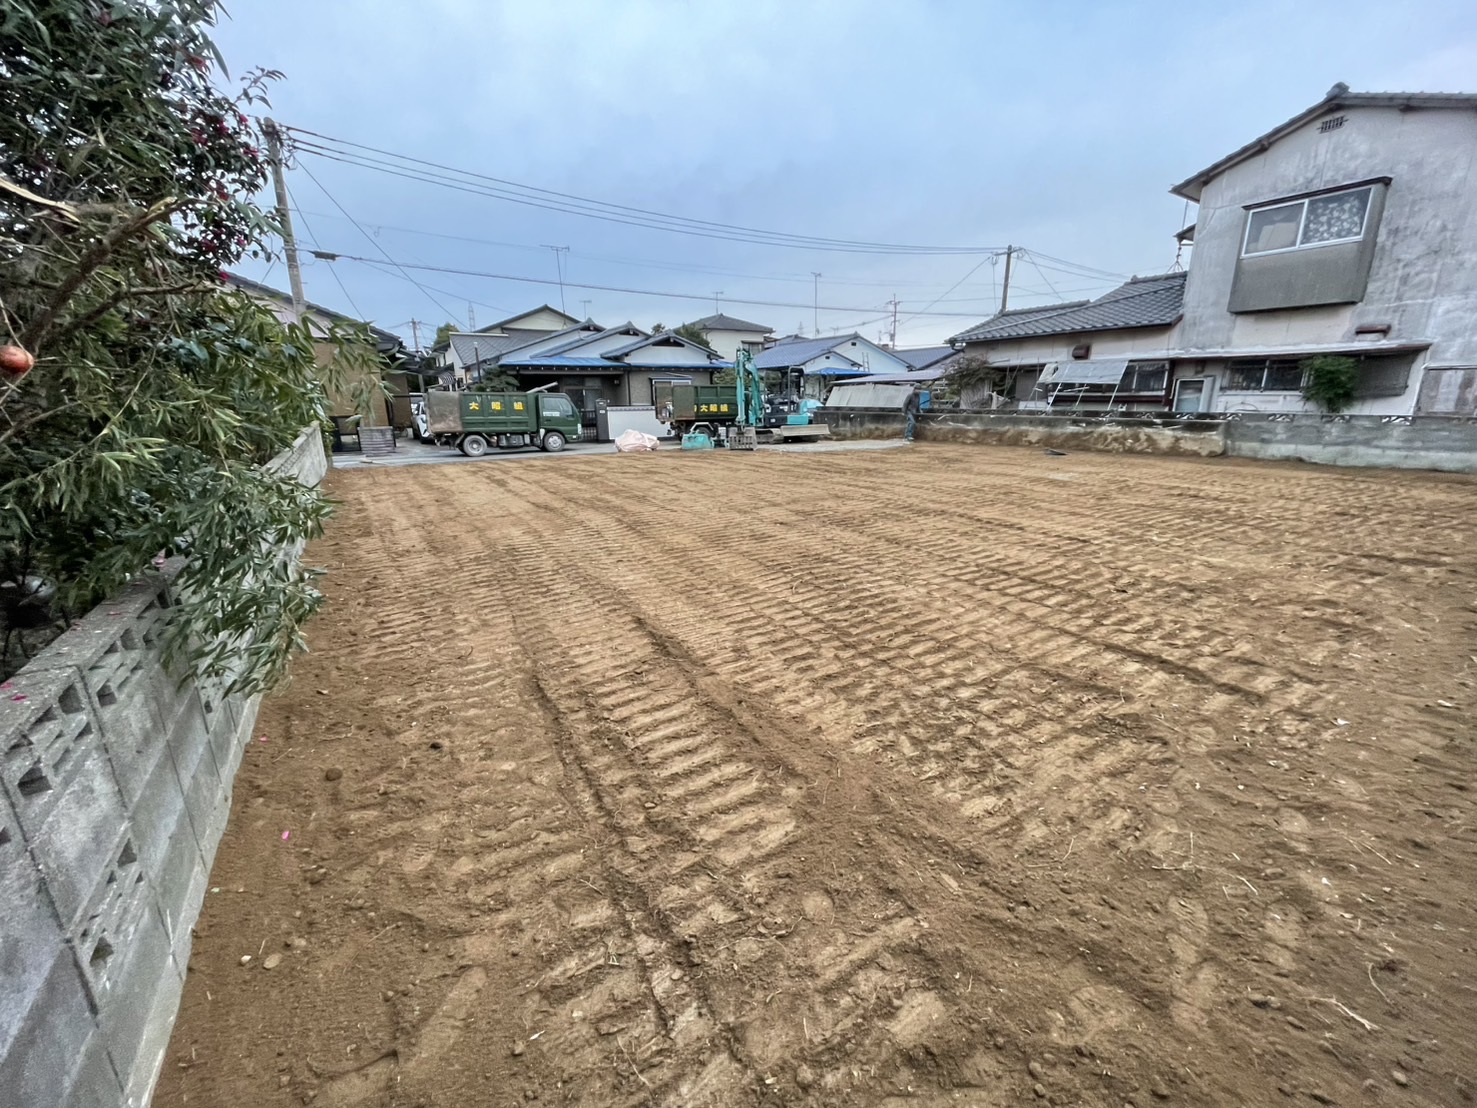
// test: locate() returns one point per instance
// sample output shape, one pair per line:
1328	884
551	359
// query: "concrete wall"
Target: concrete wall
1396	442
1190	437
1404	442
115	785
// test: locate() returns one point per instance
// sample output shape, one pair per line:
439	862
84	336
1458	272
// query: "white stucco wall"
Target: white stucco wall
727	344
670	355
1143	344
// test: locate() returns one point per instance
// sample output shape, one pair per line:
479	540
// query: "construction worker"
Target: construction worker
911	407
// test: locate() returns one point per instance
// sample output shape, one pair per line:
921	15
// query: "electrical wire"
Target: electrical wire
516	192
642	262
449	313
667	294
1030	257
314	238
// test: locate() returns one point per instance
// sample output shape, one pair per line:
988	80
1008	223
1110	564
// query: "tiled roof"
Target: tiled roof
721	322
472	346
698	349
786	354
578	341
1338	97
1142	302
921	357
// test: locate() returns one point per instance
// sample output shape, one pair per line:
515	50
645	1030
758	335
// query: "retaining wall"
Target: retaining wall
1194	437
115	785
1402	442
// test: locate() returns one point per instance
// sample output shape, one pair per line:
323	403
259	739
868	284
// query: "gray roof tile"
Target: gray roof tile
721	322
1142	302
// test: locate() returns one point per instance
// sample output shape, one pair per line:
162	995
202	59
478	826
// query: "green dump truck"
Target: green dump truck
475	422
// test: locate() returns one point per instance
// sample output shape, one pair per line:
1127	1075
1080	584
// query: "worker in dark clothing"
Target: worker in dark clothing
911	407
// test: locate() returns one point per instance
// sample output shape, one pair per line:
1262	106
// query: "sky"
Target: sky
960	126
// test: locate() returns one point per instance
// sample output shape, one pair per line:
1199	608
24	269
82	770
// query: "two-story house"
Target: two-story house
1348	230
726	335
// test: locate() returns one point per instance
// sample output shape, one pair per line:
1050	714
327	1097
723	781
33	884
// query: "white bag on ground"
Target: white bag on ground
633	441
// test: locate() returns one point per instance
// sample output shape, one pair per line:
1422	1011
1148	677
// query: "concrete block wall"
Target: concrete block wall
1194	437
1400	442
1446	443
115	785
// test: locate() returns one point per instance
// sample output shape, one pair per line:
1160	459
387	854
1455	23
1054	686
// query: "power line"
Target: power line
853	309
951	288
1030	257
314	238
449	313
641	262
570	203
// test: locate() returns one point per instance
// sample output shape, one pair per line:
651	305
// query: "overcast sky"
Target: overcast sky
1056	126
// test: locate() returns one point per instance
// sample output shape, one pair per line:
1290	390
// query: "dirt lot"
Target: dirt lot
953	776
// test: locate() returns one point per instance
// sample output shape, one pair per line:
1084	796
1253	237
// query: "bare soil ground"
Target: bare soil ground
953	776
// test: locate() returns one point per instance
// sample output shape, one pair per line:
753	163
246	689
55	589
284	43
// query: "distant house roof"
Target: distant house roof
383	338
664	338
584	340
786	354
1141	302
721	322
921	357
500	324
473	346
1338	97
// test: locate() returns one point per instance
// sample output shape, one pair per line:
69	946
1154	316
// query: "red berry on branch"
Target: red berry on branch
15	362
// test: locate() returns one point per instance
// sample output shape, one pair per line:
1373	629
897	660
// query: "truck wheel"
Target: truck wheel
553	442
474	446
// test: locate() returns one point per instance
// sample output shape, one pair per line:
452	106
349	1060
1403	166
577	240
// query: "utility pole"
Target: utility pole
471	317
284	215
1005	289
817	305
585	304
415	332
559	251
716	309
893	302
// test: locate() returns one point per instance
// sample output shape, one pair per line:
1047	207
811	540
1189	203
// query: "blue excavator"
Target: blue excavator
739	416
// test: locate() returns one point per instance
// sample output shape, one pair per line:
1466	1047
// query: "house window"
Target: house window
1316	221
1266	375
1145	377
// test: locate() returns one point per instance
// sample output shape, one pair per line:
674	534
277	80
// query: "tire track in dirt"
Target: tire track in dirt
954	762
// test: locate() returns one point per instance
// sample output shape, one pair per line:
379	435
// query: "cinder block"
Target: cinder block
115	921
229	741
41	1062
45	716
30	932
156	813
138	1014
133	733
96	1084
179	882
85	830
205	797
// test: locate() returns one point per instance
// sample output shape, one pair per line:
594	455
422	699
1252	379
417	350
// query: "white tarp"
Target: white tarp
1098	371
634	442
633	417
868	396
